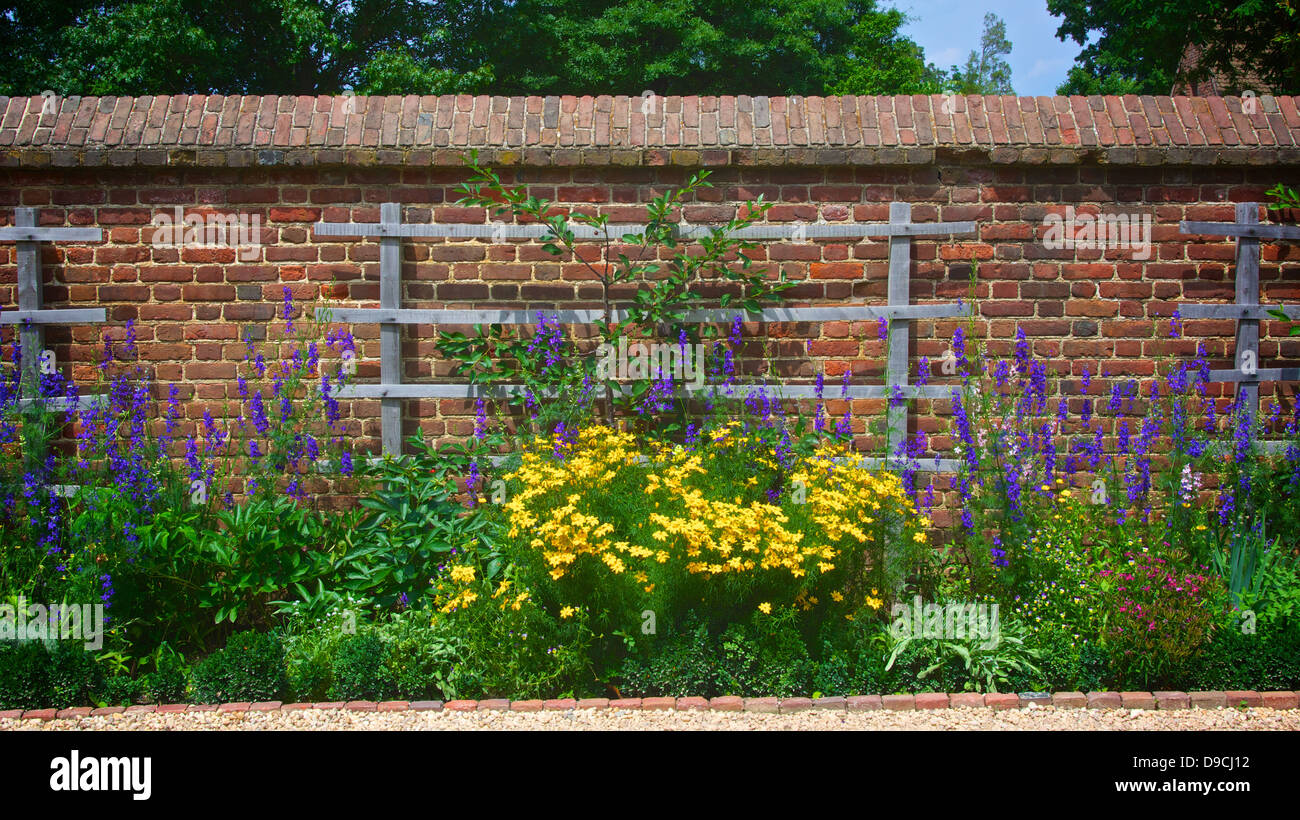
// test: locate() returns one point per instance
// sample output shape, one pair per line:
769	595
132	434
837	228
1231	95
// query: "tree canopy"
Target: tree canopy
1137	46
457	46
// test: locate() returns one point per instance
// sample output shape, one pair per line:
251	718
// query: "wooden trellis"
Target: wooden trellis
1248	312
31	315
390	316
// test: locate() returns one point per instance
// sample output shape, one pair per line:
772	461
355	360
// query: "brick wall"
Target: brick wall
1004	162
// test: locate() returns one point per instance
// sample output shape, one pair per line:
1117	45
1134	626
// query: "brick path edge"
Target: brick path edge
1144	701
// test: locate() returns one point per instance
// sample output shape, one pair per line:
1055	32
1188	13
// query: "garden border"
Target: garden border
923	701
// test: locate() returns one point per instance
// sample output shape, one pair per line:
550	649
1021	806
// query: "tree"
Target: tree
445	46
1137	46
233	47
986	71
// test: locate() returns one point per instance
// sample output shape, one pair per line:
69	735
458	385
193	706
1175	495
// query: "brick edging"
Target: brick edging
1162	701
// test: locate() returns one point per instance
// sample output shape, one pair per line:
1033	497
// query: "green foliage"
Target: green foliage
1064	664
1268	660
283	46
455	46
360	669
38	675
766	657
249	668
1138	46
978	663
681	663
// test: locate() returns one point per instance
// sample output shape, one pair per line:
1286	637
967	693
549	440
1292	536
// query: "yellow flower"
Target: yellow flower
765	608
567	612
462	574
837	597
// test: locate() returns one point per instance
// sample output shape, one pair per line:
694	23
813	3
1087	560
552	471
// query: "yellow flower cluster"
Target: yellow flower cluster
684	523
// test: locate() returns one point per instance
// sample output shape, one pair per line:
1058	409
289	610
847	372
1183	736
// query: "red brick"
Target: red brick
426	706
1239	698
234	707
1069	699
460	705
394	706
1105	700
768	705
560	704
75	712
790	705
494	705
266	706
863	703
966	700
40	714
691	704
526	705
653	704
1137	700
1002	700
932	700
1209	700
727	703
1172	700
834	703
898	703
1280	700
593	703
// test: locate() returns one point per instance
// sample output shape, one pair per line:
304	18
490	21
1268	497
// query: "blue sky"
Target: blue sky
949	29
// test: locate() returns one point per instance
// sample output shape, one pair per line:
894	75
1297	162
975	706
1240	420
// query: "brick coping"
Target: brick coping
693	130
1163	701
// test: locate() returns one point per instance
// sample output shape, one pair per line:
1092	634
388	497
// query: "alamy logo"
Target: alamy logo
38	622
240	231
951	622
75	773
678	362
1099	232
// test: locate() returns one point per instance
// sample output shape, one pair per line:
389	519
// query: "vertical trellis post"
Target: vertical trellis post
31	336
900	327
390	335
1247	374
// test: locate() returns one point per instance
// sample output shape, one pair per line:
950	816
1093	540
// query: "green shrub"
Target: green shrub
680	664
1065	664
120	690
166	683
421	659
765	658
360	670
36	675
250	668
852	661
1266	661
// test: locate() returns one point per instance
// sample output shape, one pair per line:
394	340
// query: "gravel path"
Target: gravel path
1032	718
